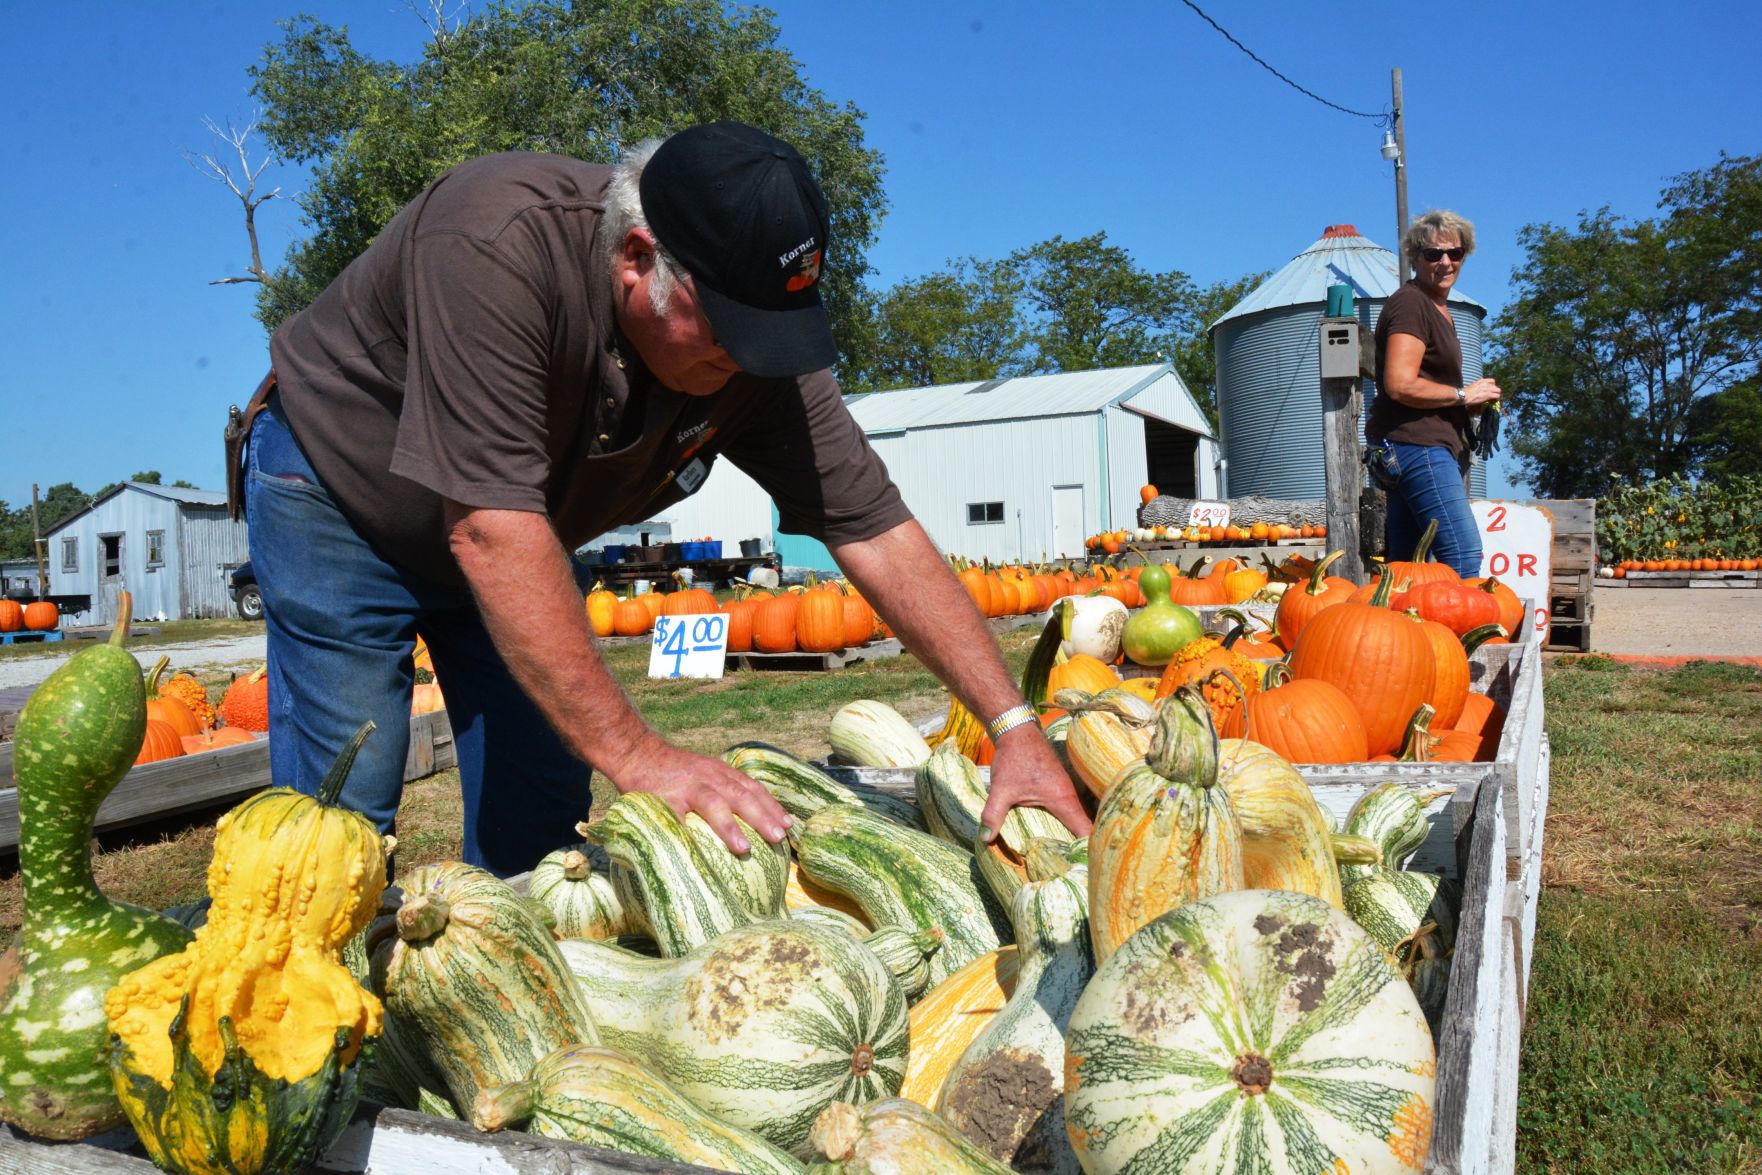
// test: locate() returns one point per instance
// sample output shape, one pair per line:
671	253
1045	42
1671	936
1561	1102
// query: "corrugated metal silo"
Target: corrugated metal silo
1268	370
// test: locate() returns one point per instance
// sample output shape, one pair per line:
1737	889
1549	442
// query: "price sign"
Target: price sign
1517	546
1213	514
689	646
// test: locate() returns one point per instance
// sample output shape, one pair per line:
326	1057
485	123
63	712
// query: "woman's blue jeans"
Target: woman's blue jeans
1431	487
342	625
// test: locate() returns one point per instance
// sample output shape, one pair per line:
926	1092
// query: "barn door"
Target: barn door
110	577
1067	521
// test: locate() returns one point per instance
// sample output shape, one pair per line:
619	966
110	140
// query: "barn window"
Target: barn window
155	548
978	512
70	554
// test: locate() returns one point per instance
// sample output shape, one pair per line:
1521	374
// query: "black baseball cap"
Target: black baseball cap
739	210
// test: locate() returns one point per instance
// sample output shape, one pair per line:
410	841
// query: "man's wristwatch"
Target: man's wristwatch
1008	720
1462	397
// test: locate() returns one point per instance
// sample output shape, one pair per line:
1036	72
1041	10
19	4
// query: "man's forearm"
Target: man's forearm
903	576
520	576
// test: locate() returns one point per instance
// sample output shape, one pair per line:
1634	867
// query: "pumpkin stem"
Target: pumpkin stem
332	787
1321	572
422	917
153	677
1416	747
1474	638
576	866
1241	691
1277	674
837	1131
1422	549
1385	588
125	611
1185	744
504	1106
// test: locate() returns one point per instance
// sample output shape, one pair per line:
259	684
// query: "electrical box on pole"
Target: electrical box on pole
1339	348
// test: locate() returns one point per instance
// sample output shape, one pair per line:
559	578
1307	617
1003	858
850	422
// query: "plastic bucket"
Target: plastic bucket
614	552
691	552
750	548
1339	301
712	549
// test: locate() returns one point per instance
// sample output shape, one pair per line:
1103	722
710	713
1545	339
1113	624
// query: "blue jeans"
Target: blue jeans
1431	487
342	625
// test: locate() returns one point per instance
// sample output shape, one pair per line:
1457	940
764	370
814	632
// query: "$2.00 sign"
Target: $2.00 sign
689	646
1209	514
1517	546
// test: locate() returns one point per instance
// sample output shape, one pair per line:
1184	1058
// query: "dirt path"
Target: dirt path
232	653
1677	622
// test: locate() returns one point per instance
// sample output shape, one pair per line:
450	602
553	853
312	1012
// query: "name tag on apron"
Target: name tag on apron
692	476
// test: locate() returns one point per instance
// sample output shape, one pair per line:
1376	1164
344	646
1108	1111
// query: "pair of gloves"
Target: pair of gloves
1483	430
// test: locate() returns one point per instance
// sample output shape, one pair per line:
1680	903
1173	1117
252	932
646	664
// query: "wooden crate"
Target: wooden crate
1474	837
153	791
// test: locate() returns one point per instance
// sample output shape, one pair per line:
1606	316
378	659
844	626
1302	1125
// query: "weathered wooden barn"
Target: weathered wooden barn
171	548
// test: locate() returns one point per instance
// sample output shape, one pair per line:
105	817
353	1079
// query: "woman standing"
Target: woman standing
1417	432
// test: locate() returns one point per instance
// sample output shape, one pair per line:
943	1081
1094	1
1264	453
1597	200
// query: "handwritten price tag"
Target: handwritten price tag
1209	514
689	646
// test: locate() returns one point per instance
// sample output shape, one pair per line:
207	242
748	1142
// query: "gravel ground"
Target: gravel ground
233	653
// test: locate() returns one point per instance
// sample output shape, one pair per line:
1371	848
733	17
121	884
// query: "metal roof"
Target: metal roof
1341	255
1071	393
187	497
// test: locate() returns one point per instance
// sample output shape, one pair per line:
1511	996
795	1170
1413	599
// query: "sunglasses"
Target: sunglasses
1456	254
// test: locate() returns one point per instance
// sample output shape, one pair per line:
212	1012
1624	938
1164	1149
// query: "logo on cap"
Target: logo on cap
807	273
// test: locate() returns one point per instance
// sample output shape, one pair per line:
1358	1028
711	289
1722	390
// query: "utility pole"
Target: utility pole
37	546
1400	177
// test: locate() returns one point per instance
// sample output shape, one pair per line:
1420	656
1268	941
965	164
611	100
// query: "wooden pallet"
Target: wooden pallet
30	636
1685	579
191	783
815	662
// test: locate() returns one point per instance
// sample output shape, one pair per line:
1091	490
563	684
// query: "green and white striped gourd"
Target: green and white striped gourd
1257	1030
1007	1090
952	796
473	981
687	884
1392	815
605	1098
894	1137
907	953
903	878
1005	871
77	736
576	886
763	1026
803	789
1428	974
1394	903
868	733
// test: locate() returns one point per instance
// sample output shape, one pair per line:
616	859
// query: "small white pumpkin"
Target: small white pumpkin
1093	625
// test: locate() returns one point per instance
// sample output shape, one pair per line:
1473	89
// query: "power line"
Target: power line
1381	119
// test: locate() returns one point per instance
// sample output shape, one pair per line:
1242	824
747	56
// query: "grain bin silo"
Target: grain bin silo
1268	371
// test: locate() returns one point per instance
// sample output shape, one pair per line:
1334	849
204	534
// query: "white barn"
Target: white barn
171	548
1006	470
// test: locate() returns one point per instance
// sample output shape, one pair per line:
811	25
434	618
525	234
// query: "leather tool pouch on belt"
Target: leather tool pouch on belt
238	432
1384	469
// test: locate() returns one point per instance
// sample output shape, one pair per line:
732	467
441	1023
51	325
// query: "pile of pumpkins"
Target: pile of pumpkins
182	721
887	989
1343	672
813	617
37	616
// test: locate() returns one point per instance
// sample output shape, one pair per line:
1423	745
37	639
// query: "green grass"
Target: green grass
1643	1044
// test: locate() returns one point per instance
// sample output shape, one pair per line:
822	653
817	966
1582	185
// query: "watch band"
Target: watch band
1462	397
1010	719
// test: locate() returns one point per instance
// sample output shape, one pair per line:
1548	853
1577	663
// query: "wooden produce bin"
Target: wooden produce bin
1487	831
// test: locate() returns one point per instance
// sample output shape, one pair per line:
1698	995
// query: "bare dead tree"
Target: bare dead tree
434	17
242	185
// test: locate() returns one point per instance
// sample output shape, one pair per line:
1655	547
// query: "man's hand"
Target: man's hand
1027	772
696	783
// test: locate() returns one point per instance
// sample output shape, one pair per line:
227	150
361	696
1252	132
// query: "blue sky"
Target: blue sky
1002	122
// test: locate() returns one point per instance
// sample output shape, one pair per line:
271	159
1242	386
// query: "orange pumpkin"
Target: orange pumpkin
601	606
630	617
859	620
11	616
1190	590
212	740
819	621
1081	672
740	622
1450	671
1377	658
1457	606
1306	720
774	623
1147	494
1510	608
246	702
1420	569
1197	665
1302	601
41	616
688	601
160	742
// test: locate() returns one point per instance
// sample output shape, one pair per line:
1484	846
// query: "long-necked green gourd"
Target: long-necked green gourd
606	1098
77	737
763	1026
1007	1090
952	796
803	789
1258	1030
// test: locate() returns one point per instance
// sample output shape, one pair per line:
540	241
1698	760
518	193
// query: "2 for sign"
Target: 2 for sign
1517	546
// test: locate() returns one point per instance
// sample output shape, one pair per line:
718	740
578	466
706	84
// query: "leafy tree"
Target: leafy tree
1621	331
575	78
54	504
1090	306
1725	430
965	323
1194	356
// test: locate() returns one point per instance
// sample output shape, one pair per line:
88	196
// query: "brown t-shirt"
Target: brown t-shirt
471	353
1409	311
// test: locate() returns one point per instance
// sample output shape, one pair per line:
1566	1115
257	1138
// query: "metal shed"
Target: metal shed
171	548
1269	378
1007	469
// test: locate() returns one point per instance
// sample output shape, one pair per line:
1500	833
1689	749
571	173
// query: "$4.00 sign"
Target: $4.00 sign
689	646
1517	546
